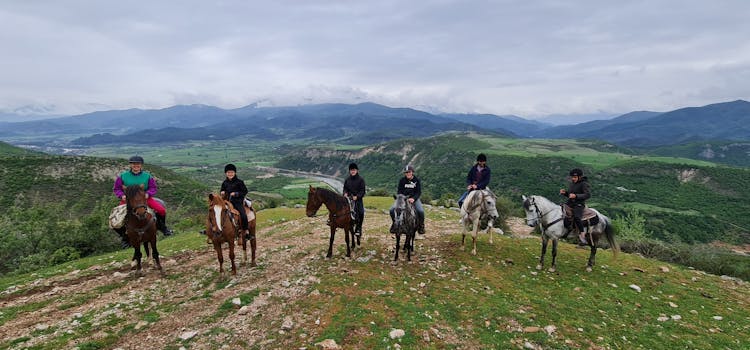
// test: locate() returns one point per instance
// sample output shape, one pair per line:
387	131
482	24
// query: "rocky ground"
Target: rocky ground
91	308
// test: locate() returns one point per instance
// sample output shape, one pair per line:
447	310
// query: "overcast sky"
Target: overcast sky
528	58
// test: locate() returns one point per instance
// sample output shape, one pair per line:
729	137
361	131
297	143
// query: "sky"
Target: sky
526	58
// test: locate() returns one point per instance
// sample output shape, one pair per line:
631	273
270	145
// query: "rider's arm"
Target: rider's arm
117	188
586	192
151	191
242	189
417	191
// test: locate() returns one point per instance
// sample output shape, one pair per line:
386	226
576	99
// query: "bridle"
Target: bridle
541	215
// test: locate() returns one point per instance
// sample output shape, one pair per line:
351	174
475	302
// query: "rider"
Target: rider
478	177
136	176
577	193
411	187
354	189
235	189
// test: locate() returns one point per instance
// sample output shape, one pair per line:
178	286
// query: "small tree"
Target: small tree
632	226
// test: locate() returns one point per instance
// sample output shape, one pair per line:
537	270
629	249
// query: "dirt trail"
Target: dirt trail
100	302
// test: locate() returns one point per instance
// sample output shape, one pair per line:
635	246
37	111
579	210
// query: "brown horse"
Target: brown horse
221	228
140	226
339	215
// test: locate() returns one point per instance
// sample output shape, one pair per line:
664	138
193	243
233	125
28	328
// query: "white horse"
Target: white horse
549	216
479	205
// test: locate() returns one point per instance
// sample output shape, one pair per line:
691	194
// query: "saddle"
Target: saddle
589	217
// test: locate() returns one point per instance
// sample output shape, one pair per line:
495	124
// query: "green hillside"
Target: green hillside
682	200
57	207
445	298
10	150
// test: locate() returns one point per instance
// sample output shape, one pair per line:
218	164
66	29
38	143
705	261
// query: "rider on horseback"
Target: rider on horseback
411	187
478	178
136	176
235	191
354	189
577	193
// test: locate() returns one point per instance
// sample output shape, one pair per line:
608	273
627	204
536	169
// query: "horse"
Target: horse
405	221
221	228
550	217
140	226
339	215
478	206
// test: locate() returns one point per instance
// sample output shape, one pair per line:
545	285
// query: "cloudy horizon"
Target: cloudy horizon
531	59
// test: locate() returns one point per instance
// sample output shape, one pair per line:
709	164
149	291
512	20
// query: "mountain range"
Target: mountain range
367	123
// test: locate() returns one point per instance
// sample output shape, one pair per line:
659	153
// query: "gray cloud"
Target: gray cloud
530	58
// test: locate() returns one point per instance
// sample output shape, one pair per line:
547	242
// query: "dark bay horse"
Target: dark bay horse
549	216
221	228
479	205
140	224
405	221
339	215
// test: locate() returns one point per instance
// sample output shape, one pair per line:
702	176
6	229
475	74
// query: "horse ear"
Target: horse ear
523	196
142	186
210	196
312	189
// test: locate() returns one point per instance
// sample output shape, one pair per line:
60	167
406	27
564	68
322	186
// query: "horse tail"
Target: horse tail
609	231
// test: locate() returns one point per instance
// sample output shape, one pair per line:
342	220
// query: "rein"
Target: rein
541	222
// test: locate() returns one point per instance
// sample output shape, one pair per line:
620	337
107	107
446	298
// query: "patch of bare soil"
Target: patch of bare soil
110	305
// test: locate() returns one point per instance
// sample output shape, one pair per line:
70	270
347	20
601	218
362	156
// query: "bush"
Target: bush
64	254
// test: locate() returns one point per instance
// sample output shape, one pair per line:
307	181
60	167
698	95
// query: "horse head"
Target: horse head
489	204
532	211
399	208
314	201
136	201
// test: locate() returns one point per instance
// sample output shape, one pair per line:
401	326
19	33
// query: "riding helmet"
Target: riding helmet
353	166
135	159
576	172
481	157
408	168
231	167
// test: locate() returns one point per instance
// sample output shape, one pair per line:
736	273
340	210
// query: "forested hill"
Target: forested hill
56	207
682	203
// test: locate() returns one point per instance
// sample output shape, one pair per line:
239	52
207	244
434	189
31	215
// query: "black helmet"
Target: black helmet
576	172
231	167
135	159
353	166
481	157
408	168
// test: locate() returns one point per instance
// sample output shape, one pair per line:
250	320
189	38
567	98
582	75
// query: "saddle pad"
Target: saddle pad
117	217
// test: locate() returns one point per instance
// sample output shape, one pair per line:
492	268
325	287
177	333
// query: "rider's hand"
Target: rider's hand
354	198
123	197
572	195
411	200
562	191
147	196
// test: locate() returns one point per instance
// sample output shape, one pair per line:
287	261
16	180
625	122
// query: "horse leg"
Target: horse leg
553	268
409	244
137	257
347	232
330	241
220	256
463	238
592	257
545	240
231	255
156	255
474	237
252	248
398	244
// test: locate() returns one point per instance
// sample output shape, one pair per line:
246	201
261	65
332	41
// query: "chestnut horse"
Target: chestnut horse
221	228
140	224
339	215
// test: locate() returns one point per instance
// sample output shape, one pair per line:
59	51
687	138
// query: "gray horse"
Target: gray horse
549	216
478	206
405	220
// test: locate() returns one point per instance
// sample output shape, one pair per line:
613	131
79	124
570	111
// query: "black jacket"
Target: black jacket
582	191
234	185
410	188
355	186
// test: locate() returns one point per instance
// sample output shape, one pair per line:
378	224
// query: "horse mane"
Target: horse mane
329	195
131	191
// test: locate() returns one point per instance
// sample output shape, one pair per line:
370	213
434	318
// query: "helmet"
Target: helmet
576	172
231	167
353	166
408	168
135	159
481	157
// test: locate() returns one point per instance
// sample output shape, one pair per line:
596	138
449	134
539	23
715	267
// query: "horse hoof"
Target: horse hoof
473	252
539	267
588	268
552	269
252	264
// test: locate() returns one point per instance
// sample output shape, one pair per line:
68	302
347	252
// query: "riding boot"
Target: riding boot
122	231
161	225
581	232
420	229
